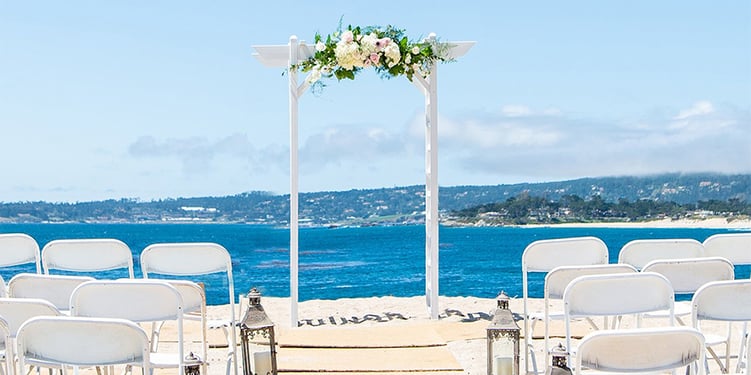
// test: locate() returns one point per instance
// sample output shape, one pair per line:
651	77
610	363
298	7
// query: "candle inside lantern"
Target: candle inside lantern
262	363
504	365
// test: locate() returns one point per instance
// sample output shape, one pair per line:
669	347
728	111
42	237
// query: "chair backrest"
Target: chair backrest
641	350
616	295
64	340
558	279
544	255
19	248
736	247
640	252
53	288
185	259
138	300
193	295
728	300
689	274
87	255
15	311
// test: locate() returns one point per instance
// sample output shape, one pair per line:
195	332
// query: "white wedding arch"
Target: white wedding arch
297	51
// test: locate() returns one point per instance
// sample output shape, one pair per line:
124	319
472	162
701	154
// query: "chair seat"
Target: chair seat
713	339
164	360
218	323
557	315
682	308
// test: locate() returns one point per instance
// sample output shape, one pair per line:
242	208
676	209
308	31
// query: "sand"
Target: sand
393	335
716	223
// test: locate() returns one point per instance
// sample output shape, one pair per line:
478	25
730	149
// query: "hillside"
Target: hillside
397	205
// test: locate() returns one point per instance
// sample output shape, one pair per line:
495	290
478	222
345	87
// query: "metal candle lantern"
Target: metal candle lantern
503	340
558	365
256	322
192	364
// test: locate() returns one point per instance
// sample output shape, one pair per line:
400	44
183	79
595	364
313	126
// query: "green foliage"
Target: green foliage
571	208
344	53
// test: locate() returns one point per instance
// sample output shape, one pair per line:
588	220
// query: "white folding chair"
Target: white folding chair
735	247
544	255
17	249
55	289
59	342
723	301
616	295
642	350
15	311
138	300
187	260
7	367
87	256
640	252
556	282
687	276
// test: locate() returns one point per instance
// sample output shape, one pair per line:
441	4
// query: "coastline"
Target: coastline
712	223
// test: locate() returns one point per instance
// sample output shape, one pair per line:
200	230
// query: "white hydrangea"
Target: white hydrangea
392	54
348	55
369	44
313	76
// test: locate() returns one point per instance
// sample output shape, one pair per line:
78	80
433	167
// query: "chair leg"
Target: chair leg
723	369
229	364
742	352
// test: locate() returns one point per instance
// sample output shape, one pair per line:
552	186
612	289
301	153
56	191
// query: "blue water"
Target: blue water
355	262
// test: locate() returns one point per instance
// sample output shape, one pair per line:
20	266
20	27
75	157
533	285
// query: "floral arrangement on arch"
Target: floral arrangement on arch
344	53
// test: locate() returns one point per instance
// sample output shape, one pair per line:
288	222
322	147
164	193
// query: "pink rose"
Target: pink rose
383	42
347	36
374	58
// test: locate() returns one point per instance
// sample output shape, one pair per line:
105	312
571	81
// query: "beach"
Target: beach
377	334
394	335
714	222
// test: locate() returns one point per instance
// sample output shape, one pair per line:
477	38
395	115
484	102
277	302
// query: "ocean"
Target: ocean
355	262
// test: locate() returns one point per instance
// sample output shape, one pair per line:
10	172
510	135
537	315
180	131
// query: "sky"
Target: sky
164	99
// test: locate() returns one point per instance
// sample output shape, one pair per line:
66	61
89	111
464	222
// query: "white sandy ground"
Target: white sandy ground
715	222
460	333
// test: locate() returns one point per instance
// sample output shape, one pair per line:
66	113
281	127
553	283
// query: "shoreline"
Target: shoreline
710	223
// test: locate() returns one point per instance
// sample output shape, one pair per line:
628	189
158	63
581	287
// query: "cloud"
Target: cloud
196	154
549	144
699	108
515	110
352	144
511	145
